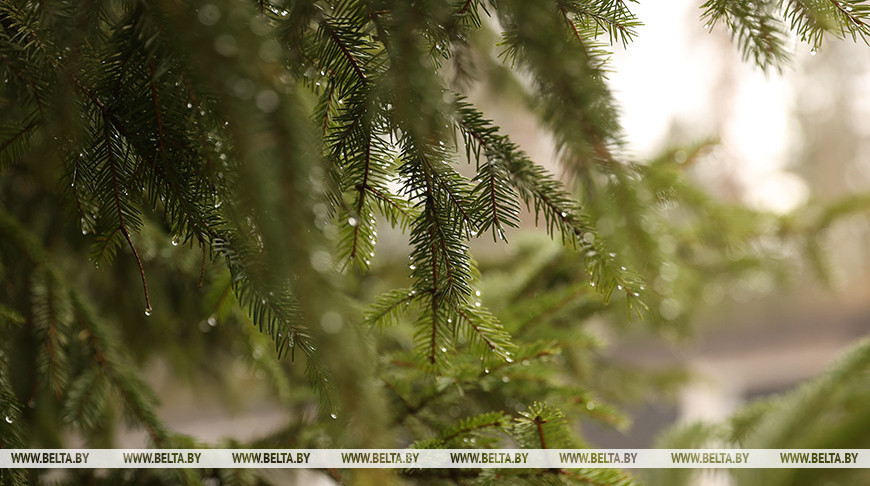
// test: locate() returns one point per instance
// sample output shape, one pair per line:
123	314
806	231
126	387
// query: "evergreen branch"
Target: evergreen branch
389	201
542	192
457	203
539	422
123	226
327	106
154	95
102	343
345	50
613	17
361	195
758	32
473	424
20	133
573	26
847	13
488	330
191	215
16	142
30	84
434	298
567	300
46	319
384	311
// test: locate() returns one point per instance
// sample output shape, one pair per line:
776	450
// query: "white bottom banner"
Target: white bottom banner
434	458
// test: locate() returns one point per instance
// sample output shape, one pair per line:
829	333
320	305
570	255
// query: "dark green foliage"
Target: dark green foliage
255	149
760	28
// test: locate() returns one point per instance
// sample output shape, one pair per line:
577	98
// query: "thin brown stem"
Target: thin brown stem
123	225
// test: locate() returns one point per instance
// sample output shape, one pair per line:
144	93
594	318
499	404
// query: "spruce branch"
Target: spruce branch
121	222
105	348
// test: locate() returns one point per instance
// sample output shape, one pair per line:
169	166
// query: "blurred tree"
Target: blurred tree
253	149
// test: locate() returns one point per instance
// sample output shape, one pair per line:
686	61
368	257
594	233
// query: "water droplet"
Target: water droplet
333	416
592	284
148	311
590	406
509	360
619	287
413	267
189	106
813	52
477	304
477	293
486	370
212	321
443	350
449	320
564	214
8	420
175	241
505	379
352	221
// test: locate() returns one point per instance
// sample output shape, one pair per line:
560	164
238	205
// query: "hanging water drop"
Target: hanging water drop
8	420
352	221
813	51
212	321
175	241
477	293
443	350
413	267
333	416
148	311
189	106
486	370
